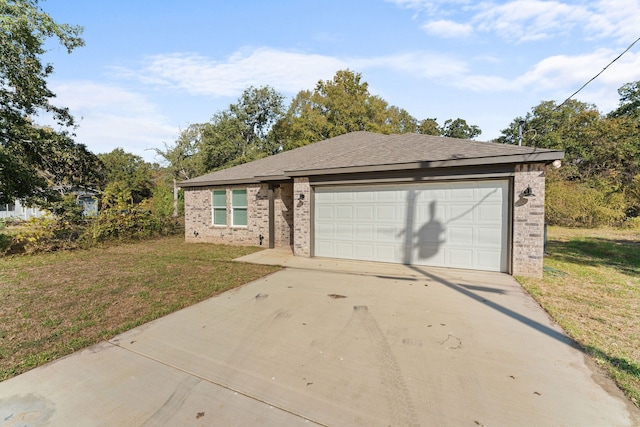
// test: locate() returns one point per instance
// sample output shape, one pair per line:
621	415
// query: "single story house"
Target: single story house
17	210
85	197
411	199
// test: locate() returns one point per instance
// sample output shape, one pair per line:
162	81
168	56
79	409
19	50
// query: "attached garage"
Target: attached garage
462	224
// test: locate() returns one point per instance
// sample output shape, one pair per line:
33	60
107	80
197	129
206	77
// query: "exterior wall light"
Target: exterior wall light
301	197
527	192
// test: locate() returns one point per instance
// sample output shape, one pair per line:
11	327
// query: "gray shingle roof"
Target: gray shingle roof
366	151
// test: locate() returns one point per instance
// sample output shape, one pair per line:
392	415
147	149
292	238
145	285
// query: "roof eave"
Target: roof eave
539	157
209	183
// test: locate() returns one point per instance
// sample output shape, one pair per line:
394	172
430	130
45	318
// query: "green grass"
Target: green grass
591	287
56	303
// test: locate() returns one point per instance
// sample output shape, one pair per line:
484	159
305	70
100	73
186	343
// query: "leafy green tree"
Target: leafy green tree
33	158
127	176
602	158
336	107
597	147
184	159
242	133
429	127
629	102
458	128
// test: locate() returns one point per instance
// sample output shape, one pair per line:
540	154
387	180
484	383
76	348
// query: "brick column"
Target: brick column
528	220
302	217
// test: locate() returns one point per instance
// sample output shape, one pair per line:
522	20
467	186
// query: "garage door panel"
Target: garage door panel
325	213
487	236
386	253
454	224
460	235
365	251
490	213
344	213
344	250
388	213
345	231
366	212
386	233
461	258
365	232
486	259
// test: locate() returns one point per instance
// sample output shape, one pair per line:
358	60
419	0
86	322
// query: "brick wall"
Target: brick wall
302	217
528	220
284	209
199	225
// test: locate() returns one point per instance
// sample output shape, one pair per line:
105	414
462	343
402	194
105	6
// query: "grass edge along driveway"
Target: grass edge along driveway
591	287
54	304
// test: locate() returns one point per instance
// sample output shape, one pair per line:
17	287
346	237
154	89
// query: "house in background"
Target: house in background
410	199
17	210
85	197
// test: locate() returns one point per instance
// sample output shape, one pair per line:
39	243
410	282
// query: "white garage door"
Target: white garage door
448	224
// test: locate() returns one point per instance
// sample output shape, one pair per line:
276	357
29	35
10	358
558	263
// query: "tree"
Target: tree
459	128
596	146
33	158
629	102
127	173
429	127
242	132
602	159
184	158
336	107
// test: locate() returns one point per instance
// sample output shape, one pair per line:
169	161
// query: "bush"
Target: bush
44	234
132	224
573	204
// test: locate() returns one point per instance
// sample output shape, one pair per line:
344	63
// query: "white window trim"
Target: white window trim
245	208
220	207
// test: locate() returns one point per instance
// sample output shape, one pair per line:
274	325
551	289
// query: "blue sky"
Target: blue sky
151	68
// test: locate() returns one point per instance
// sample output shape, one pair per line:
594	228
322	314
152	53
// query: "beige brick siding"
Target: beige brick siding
528	220
284	209
198	220
302	217
199	225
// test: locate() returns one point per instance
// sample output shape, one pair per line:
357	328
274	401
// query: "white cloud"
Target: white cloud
286	71
558	76
525	20
199	75
564	71
109	116
615	18
421	64
531	20
447	29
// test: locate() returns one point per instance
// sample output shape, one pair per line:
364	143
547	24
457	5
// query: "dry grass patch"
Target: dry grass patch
54	304
591	287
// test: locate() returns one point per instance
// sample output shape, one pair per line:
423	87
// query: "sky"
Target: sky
151	68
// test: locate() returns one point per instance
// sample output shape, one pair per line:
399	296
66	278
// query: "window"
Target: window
239	207
219	207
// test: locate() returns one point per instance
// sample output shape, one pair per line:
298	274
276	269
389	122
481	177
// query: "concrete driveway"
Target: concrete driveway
327	342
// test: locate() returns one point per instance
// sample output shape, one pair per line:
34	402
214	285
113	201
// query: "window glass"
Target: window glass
239	207
219	206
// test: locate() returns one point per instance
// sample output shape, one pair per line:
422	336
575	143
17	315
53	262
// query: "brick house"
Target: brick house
412	199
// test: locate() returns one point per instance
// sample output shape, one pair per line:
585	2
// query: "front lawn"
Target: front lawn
56	303
591	287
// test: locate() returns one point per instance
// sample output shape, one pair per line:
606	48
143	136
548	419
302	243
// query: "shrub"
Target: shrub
573	204
44	234
131	224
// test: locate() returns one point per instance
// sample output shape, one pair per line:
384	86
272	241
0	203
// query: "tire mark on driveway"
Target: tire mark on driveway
400	402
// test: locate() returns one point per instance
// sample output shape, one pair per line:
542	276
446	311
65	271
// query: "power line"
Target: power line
597	75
